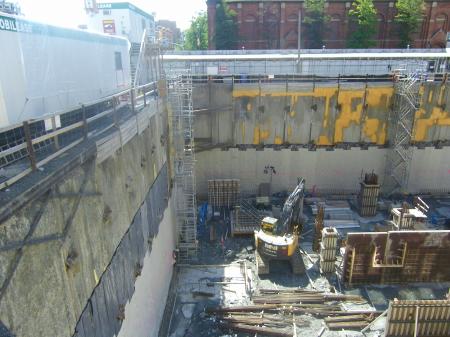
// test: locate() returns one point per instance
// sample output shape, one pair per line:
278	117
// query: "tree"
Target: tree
408	17
226	36
315	19
196	37
365	14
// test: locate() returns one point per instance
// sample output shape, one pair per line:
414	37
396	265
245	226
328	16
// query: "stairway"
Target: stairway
134	59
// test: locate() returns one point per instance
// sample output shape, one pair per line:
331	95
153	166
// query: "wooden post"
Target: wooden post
115	117
351	266
31	153
85	125
132	101
416	322
56	138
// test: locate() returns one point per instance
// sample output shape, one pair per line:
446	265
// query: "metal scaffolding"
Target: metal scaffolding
180	95
406	103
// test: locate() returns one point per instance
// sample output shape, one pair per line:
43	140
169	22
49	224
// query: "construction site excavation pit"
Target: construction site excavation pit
312	221
221	294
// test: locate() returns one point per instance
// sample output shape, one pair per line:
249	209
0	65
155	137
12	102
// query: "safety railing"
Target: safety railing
294	78
26	147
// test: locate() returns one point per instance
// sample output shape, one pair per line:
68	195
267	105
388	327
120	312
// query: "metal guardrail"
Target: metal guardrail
306	51
26	147
295	78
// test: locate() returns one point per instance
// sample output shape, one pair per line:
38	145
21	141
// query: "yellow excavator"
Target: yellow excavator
277	239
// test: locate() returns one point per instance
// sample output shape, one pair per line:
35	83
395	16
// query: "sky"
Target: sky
70	13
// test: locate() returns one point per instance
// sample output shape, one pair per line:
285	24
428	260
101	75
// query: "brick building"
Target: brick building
273	24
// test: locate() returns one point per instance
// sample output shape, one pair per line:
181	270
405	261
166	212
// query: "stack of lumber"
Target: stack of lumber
275	312
270	296
349	322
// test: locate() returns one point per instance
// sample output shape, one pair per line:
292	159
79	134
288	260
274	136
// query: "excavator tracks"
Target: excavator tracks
298	267
262	265
296	261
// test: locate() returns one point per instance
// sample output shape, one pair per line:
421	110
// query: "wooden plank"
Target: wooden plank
255	329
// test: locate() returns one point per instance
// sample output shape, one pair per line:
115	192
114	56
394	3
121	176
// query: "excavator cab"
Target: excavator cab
269	225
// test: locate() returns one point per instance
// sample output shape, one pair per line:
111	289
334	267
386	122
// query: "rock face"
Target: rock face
72	233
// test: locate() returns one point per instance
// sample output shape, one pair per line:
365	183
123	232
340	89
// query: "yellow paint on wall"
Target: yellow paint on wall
419	113
430	95
374	99
324	140
347	115
264	134
370	129
256	136
373	128
438	117
441	95
421	90
289	133
278	140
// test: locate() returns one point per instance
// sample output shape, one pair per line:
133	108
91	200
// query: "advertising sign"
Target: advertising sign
109	27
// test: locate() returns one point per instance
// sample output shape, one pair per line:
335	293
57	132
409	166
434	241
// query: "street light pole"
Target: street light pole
299	40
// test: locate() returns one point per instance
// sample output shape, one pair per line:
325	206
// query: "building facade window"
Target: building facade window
250	19
292	18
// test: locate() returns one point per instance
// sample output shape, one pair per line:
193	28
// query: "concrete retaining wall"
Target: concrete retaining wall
323	170
324	113
76	227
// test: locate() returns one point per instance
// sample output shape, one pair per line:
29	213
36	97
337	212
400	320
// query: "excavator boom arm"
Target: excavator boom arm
292	208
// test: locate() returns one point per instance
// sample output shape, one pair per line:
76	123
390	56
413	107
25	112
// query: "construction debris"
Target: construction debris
274	308
256	329
301	297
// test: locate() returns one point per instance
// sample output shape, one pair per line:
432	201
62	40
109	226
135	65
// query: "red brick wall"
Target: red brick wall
274	25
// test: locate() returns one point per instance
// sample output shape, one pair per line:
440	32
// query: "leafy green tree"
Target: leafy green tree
226	36
314	22
365	15
196	37
408	17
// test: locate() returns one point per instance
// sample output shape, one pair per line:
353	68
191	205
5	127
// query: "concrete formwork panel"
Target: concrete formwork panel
397	257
